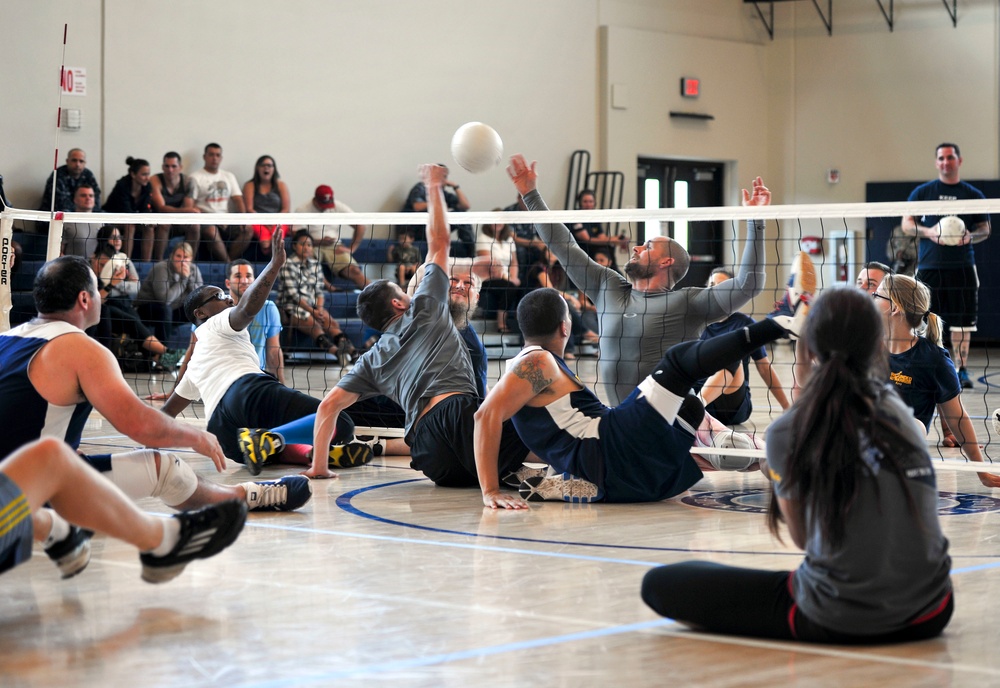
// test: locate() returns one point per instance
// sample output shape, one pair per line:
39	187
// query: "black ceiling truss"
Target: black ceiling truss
950	6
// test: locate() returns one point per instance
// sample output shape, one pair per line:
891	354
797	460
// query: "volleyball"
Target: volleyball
952	230
476	147
996	421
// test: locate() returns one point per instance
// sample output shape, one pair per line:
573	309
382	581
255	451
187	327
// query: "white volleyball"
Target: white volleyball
952	230
477	147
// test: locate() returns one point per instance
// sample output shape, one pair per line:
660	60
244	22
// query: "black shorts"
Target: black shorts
258	400
731	409
954	296
441	444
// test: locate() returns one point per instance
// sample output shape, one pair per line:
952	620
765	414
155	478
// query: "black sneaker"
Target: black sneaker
204	533
72	553
258	446
287	494
350	455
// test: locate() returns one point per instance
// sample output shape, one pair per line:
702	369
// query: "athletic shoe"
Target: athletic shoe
802	280
204	533
515	478
730	439
72	553
257	446
350	455
560	487
792	311
963	377
287	494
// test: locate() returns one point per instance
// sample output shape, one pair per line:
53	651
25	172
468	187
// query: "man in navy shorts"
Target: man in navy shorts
950	270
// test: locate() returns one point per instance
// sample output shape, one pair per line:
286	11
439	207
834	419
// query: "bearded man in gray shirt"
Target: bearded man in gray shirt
643	316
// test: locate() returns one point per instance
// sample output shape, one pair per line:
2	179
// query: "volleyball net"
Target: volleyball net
840	239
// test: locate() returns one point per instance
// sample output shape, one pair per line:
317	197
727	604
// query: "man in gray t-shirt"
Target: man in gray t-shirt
643	316
422	364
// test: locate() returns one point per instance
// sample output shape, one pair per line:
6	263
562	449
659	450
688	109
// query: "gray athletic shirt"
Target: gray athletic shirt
637	328
891	567
419	356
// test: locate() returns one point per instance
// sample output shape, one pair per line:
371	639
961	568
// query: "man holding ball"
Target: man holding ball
950	270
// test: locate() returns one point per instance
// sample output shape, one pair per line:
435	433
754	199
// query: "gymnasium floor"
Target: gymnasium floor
385	579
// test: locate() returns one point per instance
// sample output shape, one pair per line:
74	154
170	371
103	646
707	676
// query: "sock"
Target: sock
171	536
298	431
59	531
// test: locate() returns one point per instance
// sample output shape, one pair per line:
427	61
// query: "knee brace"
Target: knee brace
135	473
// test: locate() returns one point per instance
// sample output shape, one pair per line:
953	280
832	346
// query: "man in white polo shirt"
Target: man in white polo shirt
327	238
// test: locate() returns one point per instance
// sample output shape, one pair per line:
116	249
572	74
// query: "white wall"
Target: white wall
356	94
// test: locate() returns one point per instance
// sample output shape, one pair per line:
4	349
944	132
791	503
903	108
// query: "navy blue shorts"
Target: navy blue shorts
16	527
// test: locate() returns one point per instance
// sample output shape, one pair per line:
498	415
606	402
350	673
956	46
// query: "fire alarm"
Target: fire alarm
690	88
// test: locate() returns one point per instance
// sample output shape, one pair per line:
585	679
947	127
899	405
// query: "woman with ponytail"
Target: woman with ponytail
852	480
920	368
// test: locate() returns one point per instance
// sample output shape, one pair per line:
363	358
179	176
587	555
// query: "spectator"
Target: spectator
529	246
80	238
131	194
161	297
591	235
212	189
456	202
337	257
168	194
118	283
496	265
300	297
406	256
266	193
69	178
726	393
549	272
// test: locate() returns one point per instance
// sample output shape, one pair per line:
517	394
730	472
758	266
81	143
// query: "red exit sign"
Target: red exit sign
690	88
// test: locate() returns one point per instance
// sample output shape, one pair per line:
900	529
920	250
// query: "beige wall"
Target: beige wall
356	94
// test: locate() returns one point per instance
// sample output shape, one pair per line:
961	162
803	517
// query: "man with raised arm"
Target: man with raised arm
223	367
422	363
644	315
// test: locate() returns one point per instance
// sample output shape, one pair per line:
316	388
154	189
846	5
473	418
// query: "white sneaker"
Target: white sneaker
560	487
730	439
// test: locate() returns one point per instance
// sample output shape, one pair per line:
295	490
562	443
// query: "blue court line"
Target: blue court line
344	501
416	662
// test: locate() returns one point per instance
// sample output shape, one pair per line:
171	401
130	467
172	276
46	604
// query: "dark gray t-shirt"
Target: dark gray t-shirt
636	327
891	567
419	356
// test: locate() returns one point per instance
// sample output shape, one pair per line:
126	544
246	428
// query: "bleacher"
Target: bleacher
341	304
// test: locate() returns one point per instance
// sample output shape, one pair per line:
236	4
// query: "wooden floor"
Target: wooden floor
385	579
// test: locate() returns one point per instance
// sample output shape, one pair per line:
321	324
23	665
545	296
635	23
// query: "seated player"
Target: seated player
422	364
920	367
48	472
52	375
726	393
854	483
638	451
224	367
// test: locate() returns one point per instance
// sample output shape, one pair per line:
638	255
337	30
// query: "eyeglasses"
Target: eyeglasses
876	295
217	296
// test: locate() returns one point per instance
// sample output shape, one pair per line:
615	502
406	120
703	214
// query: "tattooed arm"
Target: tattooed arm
529	382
